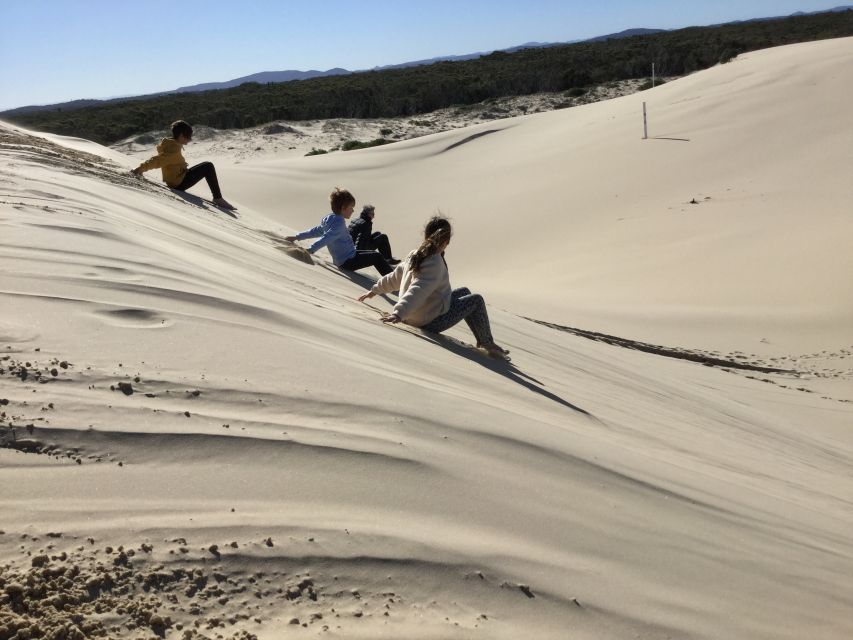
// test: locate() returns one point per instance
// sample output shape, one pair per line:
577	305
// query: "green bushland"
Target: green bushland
411	91
352	145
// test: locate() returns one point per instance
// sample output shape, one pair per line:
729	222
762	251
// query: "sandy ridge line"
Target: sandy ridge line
659	350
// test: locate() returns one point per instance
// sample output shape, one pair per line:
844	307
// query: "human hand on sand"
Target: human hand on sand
391	318
136	173
365	296
290	238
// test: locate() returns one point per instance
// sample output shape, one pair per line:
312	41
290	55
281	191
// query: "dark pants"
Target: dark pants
363	259
204	170
382	244
467	306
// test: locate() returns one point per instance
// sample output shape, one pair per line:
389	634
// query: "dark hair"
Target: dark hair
368	208
179	127
340	198
437	233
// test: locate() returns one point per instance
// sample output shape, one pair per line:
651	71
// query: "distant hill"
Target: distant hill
527	45
70	106
628	33
847	7
421	86
263	78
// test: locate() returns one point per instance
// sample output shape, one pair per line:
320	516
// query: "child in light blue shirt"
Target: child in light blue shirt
332	233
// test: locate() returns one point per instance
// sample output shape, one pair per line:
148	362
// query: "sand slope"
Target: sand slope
588	489
576	204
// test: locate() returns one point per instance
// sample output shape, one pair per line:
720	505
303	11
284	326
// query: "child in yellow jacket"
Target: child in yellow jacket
170	161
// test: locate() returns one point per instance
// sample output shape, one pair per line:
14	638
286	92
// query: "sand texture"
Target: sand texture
204	434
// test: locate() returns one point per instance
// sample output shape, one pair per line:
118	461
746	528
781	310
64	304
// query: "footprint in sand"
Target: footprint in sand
133	318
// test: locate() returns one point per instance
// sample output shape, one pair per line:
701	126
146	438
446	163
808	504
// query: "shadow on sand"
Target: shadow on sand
692	355
502	367
201	202
469	139
361	280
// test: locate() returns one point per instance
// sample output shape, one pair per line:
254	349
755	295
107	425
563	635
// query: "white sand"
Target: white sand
629	493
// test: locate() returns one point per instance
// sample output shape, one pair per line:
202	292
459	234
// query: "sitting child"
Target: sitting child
333	234
426	298
171	162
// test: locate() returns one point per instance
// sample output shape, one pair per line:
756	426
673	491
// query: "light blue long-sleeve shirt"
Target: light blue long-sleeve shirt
333	234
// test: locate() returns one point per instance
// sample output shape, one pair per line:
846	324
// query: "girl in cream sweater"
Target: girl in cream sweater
426	299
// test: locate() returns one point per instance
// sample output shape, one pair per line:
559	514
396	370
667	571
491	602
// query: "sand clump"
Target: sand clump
105	591
120	592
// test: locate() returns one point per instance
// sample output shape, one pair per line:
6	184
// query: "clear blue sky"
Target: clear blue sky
58	50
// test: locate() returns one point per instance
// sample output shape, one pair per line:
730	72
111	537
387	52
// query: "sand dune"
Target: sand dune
734	214
207	437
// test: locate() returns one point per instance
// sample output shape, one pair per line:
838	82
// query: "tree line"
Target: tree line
415	90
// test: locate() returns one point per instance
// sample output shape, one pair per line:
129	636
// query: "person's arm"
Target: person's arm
152	163
313	232
425	282
386	284
326	231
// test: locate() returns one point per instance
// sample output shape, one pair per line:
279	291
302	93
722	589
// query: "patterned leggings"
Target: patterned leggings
467	306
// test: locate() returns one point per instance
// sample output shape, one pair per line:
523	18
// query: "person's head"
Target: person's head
438	231
342	202
437	234
182	131
368	211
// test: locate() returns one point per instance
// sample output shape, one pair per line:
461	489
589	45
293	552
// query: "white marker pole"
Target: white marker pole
645	124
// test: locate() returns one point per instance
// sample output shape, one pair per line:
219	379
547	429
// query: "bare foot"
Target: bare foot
492	347
222	202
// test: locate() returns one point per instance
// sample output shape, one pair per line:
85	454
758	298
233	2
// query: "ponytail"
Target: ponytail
436	234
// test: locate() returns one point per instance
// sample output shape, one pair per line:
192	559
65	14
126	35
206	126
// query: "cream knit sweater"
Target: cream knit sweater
424	295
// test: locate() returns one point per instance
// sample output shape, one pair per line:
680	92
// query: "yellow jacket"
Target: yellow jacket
170	160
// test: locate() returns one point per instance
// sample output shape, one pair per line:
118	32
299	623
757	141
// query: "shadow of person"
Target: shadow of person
201	202
366	282
501	367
